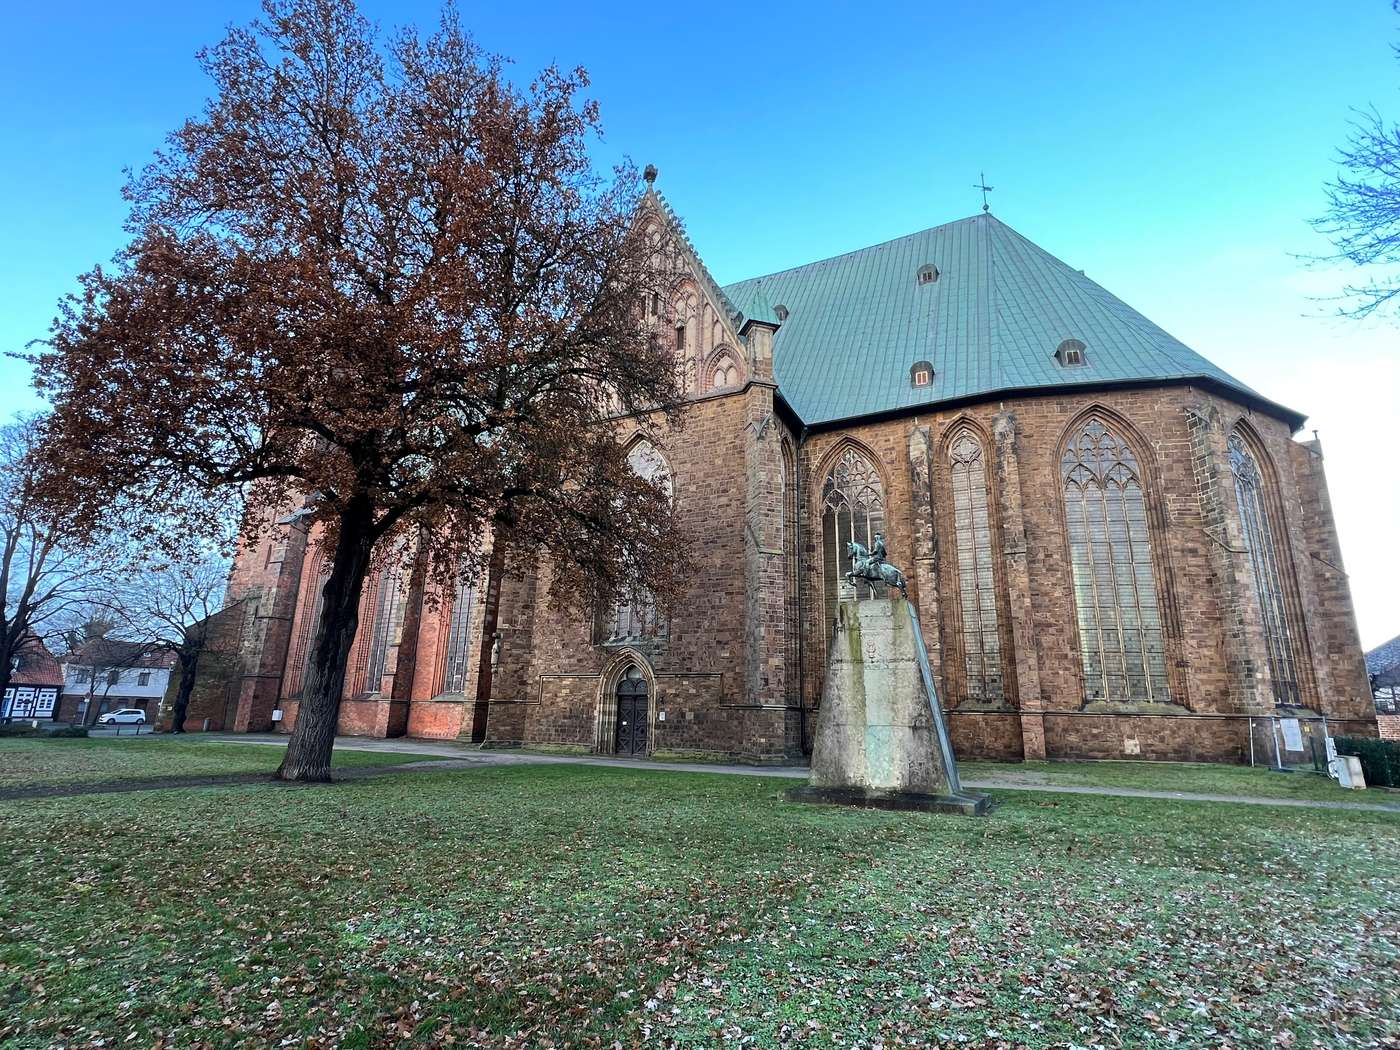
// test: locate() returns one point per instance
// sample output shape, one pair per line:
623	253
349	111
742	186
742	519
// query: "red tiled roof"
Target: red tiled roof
37	666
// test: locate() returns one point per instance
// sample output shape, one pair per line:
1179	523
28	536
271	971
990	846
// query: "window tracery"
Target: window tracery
1267	568
853	509
977	603
1122	648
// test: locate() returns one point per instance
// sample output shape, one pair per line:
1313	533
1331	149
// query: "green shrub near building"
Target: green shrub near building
1380	759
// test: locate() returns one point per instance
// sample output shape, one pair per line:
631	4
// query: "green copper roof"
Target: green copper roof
990	322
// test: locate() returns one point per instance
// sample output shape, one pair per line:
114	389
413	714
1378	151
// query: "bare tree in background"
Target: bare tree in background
47	579
1363	209
169	609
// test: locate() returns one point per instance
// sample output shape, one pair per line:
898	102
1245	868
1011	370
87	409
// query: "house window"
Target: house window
920	373
1070	353
972	529
1121	643
928	274
113	677
144	678
1266	565
853	510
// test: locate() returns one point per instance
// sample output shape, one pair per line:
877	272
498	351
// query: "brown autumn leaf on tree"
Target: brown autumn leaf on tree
380	281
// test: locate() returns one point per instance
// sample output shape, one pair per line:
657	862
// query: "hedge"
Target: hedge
1380	759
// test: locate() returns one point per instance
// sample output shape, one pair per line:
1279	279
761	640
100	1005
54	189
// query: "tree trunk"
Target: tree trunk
7	655
189	664
308	755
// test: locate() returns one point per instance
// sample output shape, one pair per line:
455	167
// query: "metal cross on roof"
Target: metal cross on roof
982	185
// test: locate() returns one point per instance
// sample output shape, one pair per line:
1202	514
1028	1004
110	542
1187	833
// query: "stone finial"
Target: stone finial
649	174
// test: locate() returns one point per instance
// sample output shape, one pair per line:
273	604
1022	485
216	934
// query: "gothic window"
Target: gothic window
1115	592
637	617
977	602
1265	561
311	619
726	373
459	627
388	622
853	509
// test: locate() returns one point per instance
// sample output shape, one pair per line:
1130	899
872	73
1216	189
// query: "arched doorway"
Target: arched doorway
632	713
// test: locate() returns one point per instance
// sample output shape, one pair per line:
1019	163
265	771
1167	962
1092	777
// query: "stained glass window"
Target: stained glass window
1261	537
853	509
972	528
1115	592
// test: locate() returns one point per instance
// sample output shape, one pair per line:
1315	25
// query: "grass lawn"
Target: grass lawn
535	906
34	761
1201	778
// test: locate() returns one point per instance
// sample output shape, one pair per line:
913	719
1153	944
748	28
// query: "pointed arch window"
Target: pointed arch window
388	622
853	509
637	617
311	620
1261	536
1121	641
459	627
977	602
725	374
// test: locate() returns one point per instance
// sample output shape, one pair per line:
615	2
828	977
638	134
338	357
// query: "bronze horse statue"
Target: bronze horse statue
870	565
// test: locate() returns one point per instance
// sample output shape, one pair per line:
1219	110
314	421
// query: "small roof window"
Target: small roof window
780	312
920	373
928	273
1071	354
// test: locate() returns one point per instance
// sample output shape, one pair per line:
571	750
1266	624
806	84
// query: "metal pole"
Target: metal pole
1273	734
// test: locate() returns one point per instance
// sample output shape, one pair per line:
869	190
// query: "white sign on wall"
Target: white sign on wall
1292	734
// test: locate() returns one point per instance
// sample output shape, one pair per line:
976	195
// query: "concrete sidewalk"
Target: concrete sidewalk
467	756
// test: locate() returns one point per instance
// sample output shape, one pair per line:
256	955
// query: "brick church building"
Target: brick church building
1115	547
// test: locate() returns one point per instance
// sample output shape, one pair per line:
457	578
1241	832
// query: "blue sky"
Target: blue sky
1172	150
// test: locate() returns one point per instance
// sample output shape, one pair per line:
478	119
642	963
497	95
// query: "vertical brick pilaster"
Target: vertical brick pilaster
764	561
924	553
1011	504
267	579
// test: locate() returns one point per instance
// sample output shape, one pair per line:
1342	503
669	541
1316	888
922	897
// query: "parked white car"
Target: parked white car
127	716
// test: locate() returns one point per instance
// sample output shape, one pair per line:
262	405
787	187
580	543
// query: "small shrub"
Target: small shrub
18	729
1380	759
70	731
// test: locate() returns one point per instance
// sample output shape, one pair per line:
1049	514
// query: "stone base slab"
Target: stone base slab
969	804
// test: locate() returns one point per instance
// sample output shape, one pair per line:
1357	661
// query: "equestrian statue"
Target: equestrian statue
870	565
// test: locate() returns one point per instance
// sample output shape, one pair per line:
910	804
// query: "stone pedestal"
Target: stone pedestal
880	738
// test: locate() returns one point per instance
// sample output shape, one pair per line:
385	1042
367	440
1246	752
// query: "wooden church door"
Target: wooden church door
632	713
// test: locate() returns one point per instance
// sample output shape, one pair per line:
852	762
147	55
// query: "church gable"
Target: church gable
698	322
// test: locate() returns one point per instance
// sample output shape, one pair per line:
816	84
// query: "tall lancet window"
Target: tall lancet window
311	620
1262	538
459	628
1115	591
977	600
853	509
388	622
638	618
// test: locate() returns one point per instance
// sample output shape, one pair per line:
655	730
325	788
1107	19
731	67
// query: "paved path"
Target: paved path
470	756
445	755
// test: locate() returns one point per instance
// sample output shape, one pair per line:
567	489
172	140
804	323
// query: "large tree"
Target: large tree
1363	210
383	282
46	575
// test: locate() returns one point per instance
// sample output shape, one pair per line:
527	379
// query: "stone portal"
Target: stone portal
881	740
